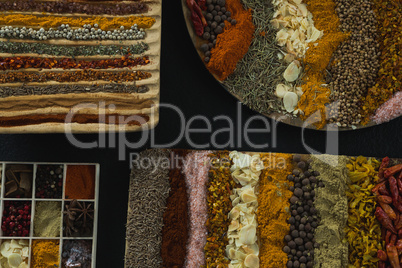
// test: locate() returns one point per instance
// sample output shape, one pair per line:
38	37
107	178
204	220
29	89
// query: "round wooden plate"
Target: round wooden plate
287	119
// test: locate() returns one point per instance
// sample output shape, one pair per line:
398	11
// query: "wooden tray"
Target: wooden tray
126	104
287	119
61	200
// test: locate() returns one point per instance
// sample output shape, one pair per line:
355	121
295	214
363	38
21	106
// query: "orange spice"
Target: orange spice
273	209
316	60
233	43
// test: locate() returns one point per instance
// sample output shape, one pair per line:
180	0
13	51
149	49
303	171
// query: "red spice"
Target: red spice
36	119
175	218
85	75
80	182
16	63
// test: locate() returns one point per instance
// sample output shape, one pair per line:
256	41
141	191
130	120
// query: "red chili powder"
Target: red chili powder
175	218
80	182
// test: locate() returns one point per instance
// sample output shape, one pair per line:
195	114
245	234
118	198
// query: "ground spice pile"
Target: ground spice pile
175	218
47	219
45	253
220	185
315	93
80	182
273	209
148	192
389	110
363	231
389	80
332	205
233	43
53	21
196	175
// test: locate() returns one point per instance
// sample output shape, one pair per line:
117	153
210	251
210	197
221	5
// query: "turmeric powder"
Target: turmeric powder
316	60
273	208
55	21
45	253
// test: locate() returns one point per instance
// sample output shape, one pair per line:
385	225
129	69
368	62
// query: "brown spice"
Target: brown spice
74	7
389	80
85	75
175	218
14	121
15	63
220	185
80	182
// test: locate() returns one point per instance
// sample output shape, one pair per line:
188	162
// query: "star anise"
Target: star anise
84	210
70	218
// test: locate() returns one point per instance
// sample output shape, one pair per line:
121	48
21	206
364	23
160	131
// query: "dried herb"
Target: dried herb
86	75
260	70
148	192
69	88
75	7
71	51
15	63
220	185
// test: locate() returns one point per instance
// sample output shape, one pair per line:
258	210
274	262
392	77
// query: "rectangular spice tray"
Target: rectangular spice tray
99	76
271	210
23	184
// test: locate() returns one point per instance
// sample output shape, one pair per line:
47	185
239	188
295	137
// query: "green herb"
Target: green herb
58	50
260	70
66	89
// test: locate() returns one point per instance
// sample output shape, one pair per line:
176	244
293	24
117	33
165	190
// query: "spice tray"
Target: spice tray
271	210
303	63
49	214
84	68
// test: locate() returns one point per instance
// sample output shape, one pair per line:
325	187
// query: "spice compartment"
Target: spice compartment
47	217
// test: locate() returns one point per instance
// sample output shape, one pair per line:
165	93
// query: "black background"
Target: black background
186	83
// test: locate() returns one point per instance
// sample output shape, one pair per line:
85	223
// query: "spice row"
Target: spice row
111	43
330	63
49	214
233	209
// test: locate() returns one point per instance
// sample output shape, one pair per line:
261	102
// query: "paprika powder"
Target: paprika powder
80	182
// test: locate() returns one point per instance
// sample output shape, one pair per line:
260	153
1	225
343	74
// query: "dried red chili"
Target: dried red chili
197	17
15	63
86	75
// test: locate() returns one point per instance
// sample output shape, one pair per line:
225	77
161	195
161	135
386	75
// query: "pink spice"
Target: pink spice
389	110
196	175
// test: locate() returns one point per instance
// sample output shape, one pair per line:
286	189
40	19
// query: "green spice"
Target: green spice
66	89
260	70
58	50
